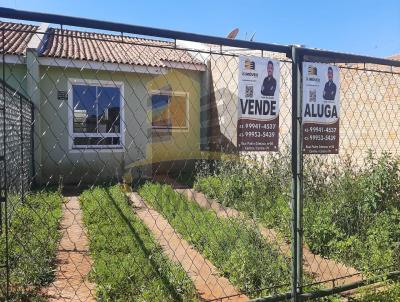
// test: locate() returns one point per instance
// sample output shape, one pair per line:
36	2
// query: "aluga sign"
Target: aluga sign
320	108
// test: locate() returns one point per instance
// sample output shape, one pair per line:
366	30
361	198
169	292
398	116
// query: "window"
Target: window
170	110
96	116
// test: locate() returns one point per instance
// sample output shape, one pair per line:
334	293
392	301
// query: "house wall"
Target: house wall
369	113
141	149
369	118
223	106
178	144
224	100
15	75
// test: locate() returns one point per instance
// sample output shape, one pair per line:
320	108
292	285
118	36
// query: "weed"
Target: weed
33	241
351	213
128	263
235	247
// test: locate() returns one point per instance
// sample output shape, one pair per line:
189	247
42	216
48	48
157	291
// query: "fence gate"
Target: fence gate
142	164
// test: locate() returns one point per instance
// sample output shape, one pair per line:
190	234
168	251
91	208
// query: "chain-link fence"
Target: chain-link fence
143	176
350	199
16	163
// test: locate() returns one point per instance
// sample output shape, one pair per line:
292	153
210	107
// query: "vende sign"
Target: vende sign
320	108
258	104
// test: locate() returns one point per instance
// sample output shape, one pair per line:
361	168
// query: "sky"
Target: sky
366	27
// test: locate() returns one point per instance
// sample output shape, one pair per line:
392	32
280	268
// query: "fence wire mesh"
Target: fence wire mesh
350	199
127	185
16	162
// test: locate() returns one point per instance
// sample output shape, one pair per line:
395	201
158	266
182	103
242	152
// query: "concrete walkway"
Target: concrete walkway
207	281
73	261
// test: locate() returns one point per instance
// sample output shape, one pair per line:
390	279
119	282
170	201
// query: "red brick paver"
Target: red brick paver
320	268
73	261
207	281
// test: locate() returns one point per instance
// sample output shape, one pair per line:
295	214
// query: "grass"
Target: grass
351	212
128	263
236	248
33	240
391	294
261	194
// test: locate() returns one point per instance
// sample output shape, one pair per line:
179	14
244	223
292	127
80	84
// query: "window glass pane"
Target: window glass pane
96	141
84	104
178	111
160	114
108	109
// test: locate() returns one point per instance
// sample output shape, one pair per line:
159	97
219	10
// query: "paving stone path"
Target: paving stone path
207	281
322	269
73	262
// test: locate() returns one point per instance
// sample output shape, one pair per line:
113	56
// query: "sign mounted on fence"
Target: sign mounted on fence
258	104
320	108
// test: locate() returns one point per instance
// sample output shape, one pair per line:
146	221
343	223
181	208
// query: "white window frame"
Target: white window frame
72	135
171	93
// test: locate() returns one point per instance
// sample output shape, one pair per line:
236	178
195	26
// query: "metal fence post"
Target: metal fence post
6	222
300	187
297	176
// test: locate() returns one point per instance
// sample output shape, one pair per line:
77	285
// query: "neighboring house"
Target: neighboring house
104	103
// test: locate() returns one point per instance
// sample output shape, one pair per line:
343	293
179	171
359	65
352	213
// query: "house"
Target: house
107	105
103	102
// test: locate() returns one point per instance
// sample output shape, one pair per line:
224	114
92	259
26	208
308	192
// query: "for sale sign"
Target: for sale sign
320	108
258	104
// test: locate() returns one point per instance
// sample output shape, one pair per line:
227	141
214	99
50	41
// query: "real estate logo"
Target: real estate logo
248	64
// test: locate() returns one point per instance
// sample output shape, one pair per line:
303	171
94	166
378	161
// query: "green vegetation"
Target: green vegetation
390	294
235	247
128	264
246	186
351	213
33	240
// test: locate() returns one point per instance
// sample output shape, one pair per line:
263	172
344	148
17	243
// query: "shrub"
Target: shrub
353	215
261	191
